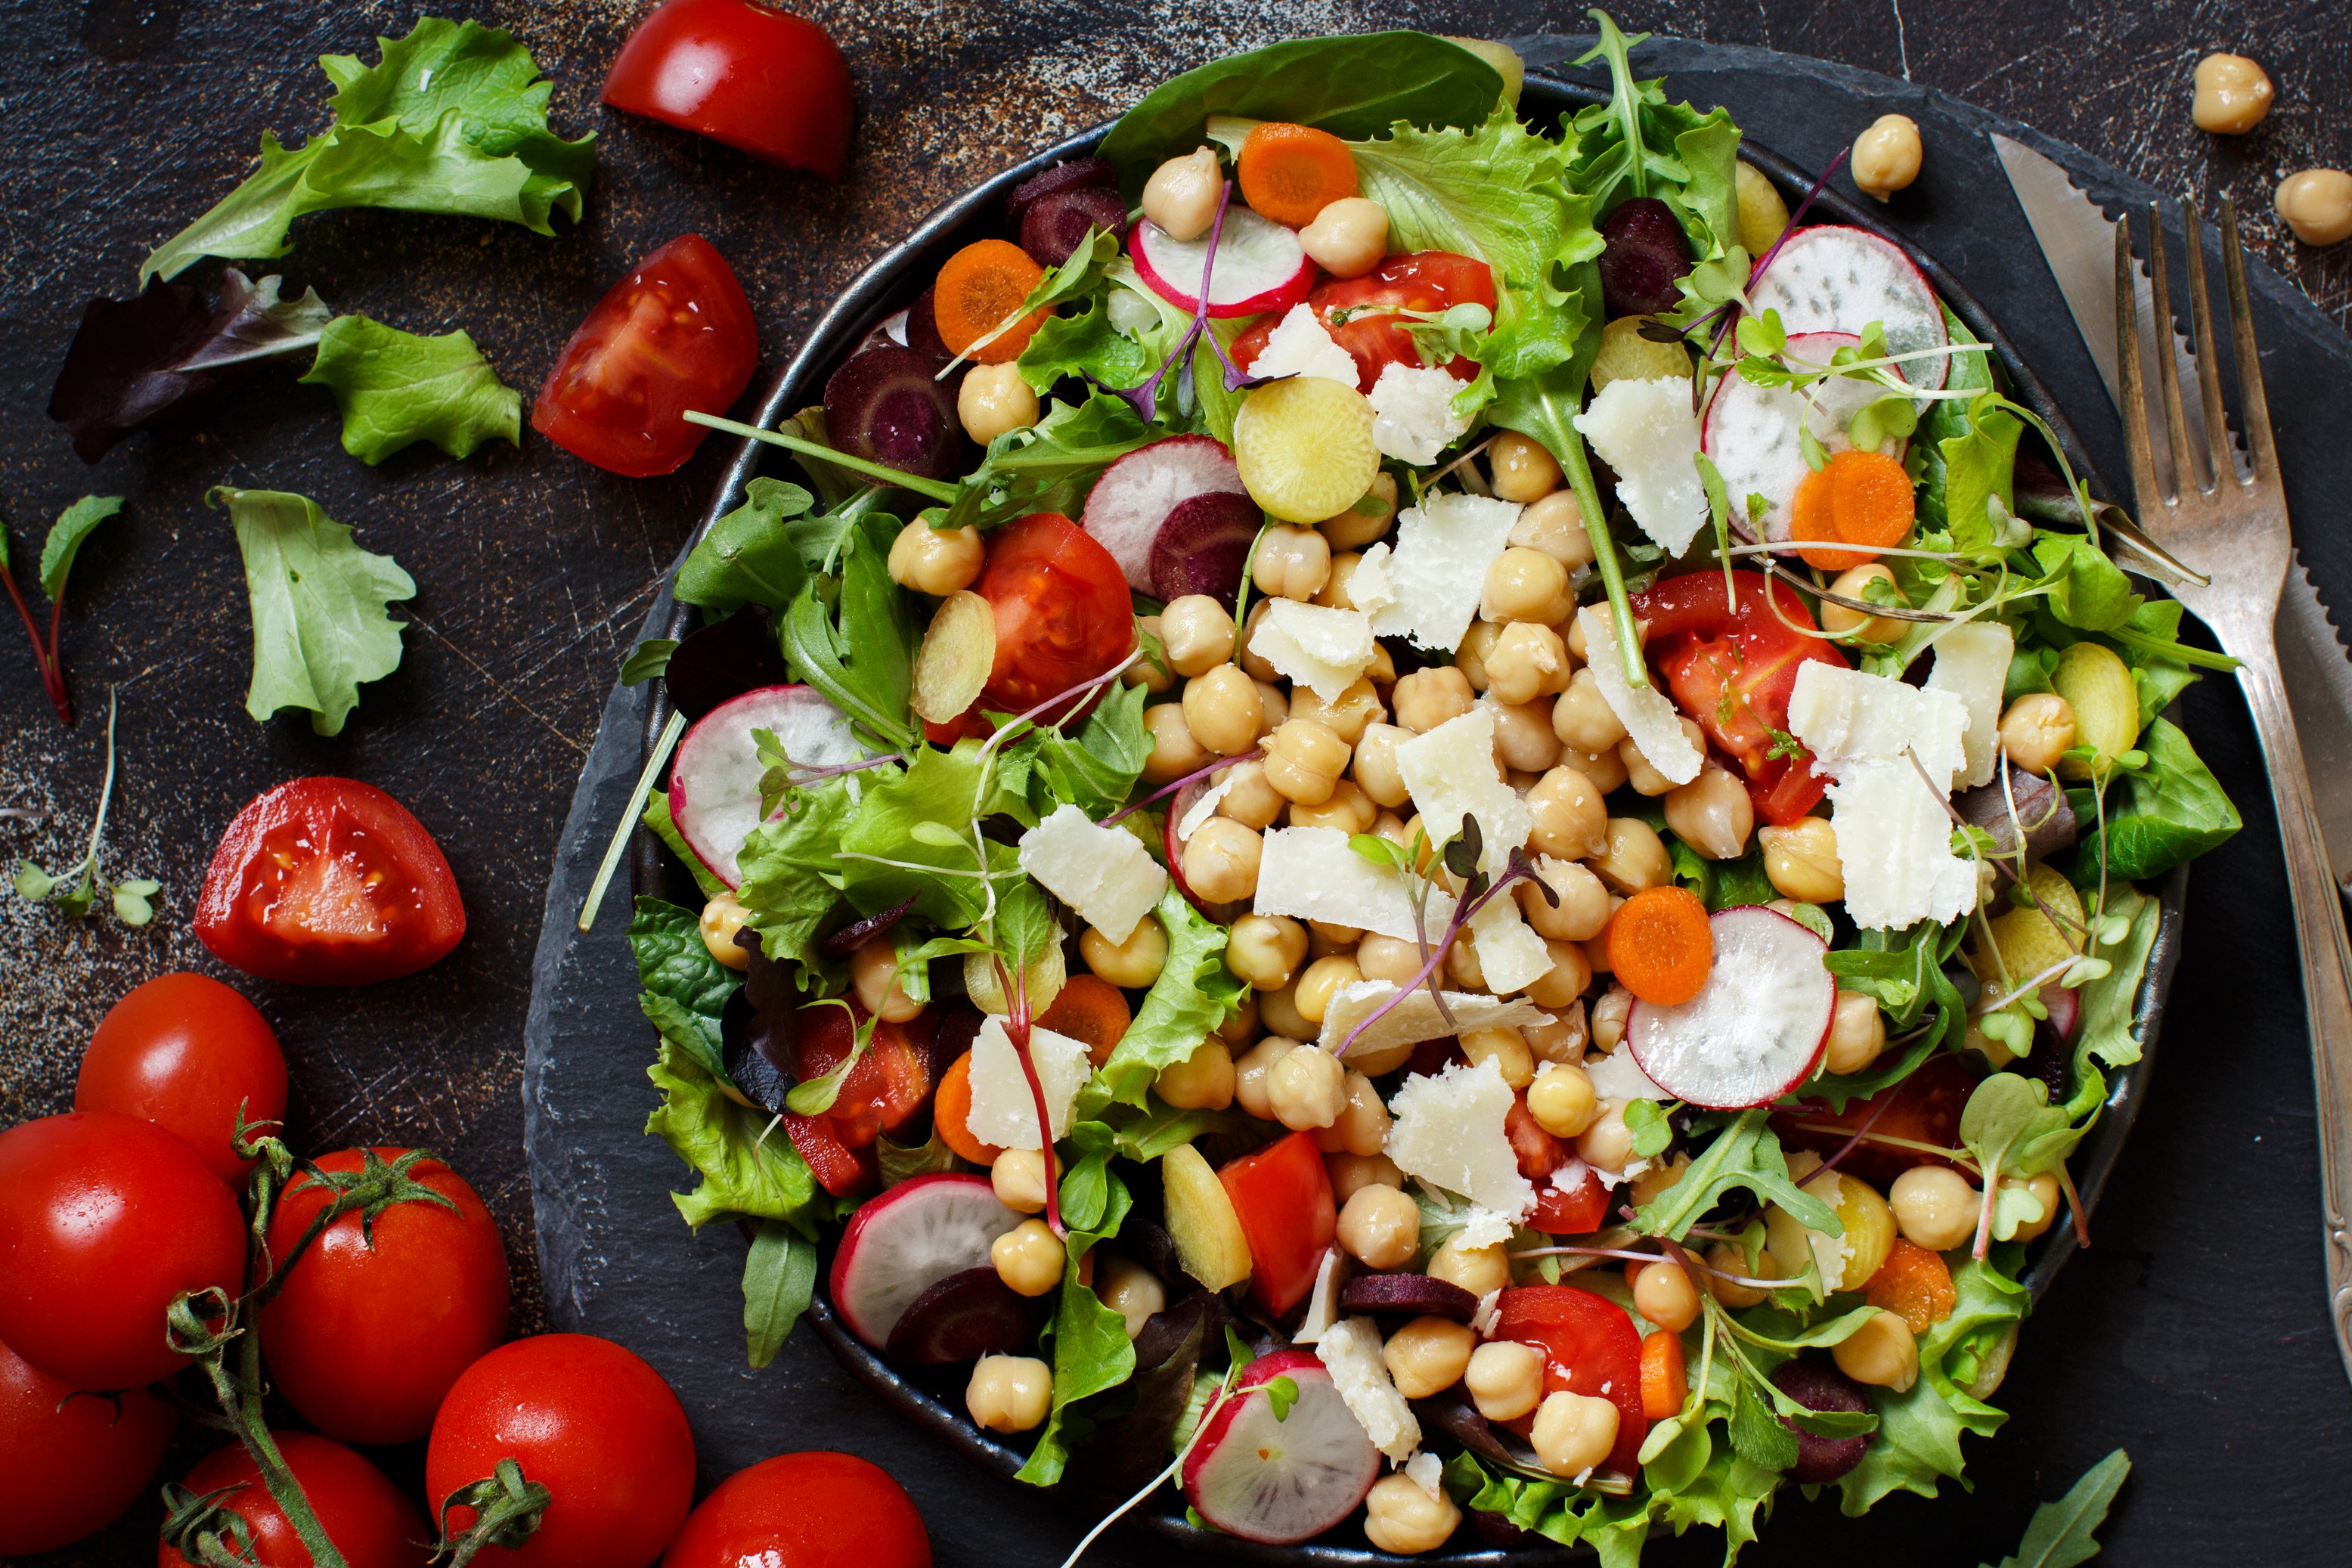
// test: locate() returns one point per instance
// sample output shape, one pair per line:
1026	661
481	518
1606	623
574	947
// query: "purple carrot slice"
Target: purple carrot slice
964	1317
1413	1295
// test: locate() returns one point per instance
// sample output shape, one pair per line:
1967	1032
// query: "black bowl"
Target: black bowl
888	286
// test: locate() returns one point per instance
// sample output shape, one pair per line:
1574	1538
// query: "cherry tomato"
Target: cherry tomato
1573	1202
187	1053
70	1462
1063	614
374	1323
1923	1110
329	881
760	80
104	1219
1588	1347
805	1511
675	334
589	1421
1360	313
1538	1152
839	1169
1282	1195
362	1511
1731	666
890	1084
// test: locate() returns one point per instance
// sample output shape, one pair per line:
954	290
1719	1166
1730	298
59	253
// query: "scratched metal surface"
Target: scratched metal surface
120	120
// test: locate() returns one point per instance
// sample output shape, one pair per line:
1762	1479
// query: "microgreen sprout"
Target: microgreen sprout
76	889
1146	398
74	525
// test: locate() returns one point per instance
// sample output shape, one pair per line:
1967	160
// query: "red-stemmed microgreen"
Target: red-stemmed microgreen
74	525
1146	398
1174	785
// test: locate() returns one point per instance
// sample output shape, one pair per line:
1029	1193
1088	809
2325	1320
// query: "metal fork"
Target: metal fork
2233	530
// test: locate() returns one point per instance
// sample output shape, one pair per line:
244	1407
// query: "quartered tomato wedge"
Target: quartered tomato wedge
1731	664
1920	1113
1360	313
1282	1197
891	1082
1063	614
1574	1202
761	80
1588	1347
329	881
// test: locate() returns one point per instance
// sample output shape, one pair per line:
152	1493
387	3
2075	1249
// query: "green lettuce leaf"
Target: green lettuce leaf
1980	467
665	827
854	636
748	558
2059	1535
911	836
1194	993
2110	1003
745	1168
1095	769
1918	1439
2172	811
1092	1353
1085	344
686	989
1744	1154
779	1278
397	387
791	876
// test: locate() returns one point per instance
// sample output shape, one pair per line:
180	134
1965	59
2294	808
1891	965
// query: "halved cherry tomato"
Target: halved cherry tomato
186	1053
805	1511
675	334
1731	664
1360	313
839	1169
890	1083
70	1462
1283	1198
763	81
1588	1346
1924	1110
328	882
1573	1202
1539	1153
1063	614
362	1511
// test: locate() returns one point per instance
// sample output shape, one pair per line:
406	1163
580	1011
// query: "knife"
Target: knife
2078	242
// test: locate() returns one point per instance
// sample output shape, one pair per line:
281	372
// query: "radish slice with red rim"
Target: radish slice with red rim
1133	505
1279	1482
906	1240
1756	1029
714	784
1261	266
1751	433
1834	279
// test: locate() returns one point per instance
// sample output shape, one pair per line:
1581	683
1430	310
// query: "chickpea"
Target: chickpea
1528	662
1857	1033
1428	1355
1506	1048
1563	1039
874	975
1131	964
1363	1125
1477	1269
1198	633
1428	697
1240	1025
1349	810
1462	963
1147	672
1387	958
2233	95
722	917
1886	156
2044	1188
1573	1432
1131	1290
1182	195
1568	819
1221	861
1403	1518
1304	761
1009	1393
2318	204
1174	751
1883	1353
1636	857
1348	237
1306	1088
1375	769
1583	907
1521	585
1607	1143
1019	1178
1562	1099
1712	814
1648	1186
1291	562
1934	1206
1202	1081
936	560
1379	1228
1569	977
1800	861
1320	983
1351	1174
1583	717
1278	1010
1520	469
1357	709
1726	1259
1223	709
1250	1074
1351	529
1477	644
1029	1257
1524	743
1504	1379
1251	800
992	401
1334	592
1555	525
1647	779
1253	662
1324	939
1853	625
1608	1016
1605	769
1663	1293
2038	729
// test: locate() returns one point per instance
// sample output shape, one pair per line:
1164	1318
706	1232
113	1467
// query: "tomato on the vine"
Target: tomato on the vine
371	1523
1588	1347
373	1322
805	1511
187	1053
70	1462
760	80
1362	314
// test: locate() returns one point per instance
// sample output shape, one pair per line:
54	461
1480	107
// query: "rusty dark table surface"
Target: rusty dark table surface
121	120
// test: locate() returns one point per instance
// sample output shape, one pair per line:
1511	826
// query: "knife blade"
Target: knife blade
2078	242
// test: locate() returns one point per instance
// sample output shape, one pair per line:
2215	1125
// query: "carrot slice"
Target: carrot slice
1092	1009
1665	1381
981	286
952	1115
1860	498
1914	1285
1660	946
1290	172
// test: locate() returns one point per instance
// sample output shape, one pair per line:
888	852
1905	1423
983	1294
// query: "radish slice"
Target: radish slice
714	784
1750	432
1281	1482
1261	266
1135	497
1758	1027
906	1240
1832	278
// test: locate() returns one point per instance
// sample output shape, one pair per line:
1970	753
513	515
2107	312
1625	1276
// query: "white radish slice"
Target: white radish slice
1136	494
1832	278
714	784
906	1240
1750	433
1757	1028
1261	266
1279	1482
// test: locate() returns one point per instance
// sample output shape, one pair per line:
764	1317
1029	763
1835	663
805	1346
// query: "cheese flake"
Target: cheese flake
1484	1227
1370	587
1846	716
1323	1301
1449	1132
1003	1111
1318	647
1104	873
1451	773
1618	1076
1651	719
1299	345
1350	1350
1972	664
1311	874
1201	810
1438	567
1413	413
1426	1471
1416	1018
1646	431
1511	956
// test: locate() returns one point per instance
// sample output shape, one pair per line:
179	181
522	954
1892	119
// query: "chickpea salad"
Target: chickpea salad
1431	826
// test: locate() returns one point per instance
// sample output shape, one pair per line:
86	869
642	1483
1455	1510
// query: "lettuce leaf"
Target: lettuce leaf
1095	769
664	826
1092	1353
2171	811
1194	993
792	875
1917	1443
911	836
745	1169
685	989
395	387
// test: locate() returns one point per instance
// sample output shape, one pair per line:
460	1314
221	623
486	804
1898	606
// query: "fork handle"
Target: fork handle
2326	962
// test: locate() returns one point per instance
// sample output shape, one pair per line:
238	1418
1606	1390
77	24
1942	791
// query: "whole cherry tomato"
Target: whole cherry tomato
1282	1195
761	80
589	1421
329	881
104	1219
361	1510
374	1322
805	1511
1063	614
188	1054
1588	1347
1361	313
70	1462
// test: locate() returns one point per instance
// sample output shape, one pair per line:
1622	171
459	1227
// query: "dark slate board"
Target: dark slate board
2192	1332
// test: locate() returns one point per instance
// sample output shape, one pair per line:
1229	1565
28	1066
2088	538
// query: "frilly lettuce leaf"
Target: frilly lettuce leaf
745	1168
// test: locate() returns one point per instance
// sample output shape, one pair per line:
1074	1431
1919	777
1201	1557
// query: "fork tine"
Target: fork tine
2186	469
2131	396
2209	361
2254	404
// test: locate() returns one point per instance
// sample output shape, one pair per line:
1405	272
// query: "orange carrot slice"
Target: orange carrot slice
952	1115
1914	1285
1664	1382
1860	498
1092	1009
1660	946
981	286
1290	172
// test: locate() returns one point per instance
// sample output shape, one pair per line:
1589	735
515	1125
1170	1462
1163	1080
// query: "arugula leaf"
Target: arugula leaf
749	557
319	629
649	660
1194	993
397	387
779	1278
1744	1154
665	827
1049	465
854	637
745	1169
452	119
2059	1534
1638	145
74	526
686	989
2174	810
791	879
1919	1438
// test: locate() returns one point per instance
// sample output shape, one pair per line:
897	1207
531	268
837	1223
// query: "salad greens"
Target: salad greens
66	537
75	890
397	387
